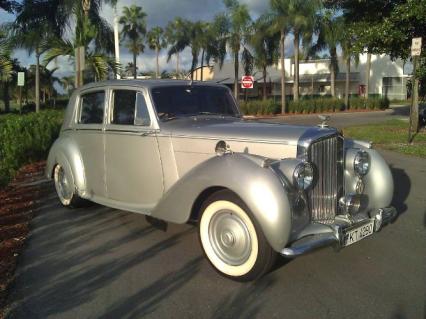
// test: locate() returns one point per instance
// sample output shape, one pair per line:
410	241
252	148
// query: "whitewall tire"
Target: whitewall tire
65	188
231	239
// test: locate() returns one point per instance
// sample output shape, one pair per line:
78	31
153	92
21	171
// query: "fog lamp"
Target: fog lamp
350	204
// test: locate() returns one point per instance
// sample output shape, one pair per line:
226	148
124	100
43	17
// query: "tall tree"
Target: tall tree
236	22
133	21
156	41
280	23
6	68
33	36
329	28
177	35
265	47
302	15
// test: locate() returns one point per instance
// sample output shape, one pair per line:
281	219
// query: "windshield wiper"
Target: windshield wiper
212	113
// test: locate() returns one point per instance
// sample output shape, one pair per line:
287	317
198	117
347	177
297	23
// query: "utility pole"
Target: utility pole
416	48
116	44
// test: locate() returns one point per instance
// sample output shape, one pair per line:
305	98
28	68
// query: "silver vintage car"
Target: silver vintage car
180	151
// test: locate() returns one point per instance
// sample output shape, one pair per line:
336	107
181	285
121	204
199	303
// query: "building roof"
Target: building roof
225	75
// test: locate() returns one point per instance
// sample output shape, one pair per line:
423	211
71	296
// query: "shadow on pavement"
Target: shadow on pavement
72	260
401	189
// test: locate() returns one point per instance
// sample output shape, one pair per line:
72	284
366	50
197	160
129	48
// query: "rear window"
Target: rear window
92	108
193	100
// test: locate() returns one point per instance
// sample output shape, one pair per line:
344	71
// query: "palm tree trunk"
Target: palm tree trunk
134	66
236	67
177	64
37	81
348	71
6	98
367	80
296	67
157	52
202	65
264	84
282	57
333	55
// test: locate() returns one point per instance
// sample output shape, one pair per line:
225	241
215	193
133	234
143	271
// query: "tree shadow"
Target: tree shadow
149	298
246	302
402	187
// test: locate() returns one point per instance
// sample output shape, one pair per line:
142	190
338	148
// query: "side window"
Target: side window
124	107
142	115
92	108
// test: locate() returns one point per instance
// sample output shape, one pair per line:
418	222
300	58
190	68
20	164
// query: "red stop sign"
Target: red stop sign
247	82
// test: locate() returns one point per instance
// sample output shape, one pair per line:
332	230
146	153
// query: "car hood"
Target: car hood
240	129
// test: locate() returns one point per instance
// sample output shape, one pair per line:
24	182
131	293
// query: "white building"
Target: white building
387	77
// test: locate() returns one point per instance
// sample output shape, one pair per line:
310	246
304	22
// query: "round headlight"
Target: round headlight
361	163
303	176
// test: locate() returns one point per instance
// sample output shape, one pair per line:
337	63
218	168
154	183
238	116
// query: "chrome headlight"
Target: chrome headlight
303	175
361	163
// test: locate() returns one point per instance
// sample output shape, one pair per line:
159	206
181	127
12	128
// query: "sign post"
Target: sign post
416	50
247	82
21	83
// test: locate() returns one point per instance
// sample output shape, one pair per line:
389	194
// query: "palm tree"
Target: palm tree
302	15
330	28
6	67
280	23
235	24
134	30
265	47
33	35
213	45
156	41
129	69
348	55
67	83
177	35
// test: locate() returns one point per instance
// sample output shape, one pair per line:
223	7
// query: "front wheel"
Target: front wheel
232	240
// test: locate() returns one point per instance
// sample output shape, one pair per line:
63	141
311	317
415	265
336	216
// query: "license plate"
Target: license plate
356	234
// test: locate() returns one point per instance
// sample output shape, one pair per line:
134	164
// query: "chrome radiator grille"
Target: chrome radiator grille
327	155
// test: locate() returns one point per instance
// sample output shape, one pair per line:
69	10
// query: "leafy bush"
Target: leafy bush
315	105
359	103
26	138
260	107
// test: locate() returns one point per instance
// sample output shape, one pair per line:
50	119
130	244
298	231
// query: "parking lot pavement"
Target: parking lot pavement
99	262
341	120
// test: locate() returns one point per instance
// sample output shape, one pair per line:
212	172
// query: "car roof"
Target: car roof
148	83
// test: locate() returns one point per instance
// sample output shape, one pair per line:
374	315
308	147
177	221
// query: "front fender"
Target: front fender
379	185
65	152
259	187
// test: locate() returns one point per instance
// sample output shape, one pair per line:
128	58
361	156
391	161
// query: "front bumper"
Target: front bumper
320	235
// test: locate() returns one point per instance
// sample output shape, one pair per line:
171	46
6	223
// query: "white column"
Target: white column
116	42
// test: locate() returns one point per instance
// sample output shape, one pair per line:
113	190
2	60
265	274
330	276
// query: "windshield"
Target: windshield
185	100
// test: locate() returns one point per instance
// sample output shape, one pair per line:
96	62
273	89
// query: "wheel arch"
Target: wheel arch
258	187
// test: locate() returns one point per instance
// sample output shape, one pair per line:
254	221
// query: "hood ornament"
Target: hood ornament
324	119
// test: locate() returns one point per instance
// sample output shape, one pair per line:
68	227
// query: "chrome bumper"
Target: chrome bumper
319	235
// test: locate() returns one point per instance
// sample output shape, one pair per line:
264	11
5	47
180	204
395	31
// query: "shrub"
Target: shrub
370	103
260	107
26	138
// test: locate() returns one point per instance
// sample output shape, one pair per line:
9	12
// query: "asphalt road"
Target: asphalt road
99	262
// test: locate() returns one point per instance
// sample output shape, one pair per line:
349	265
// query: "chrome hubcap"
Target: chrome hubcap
230	238
63	186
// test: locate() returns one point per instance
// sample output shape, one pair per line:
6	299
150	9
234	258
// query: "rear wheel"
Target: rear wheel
65	188
232	240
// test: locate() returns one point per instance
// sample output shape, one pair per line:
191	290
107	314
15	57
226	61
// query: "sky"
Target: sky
159	13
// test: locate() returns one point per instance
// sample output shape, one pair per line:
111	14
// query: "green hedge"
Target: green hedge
260	107
311	105
26	138
368	104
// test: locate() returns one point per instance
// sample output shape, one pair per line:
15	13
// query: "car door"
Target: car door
88	133
134	175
